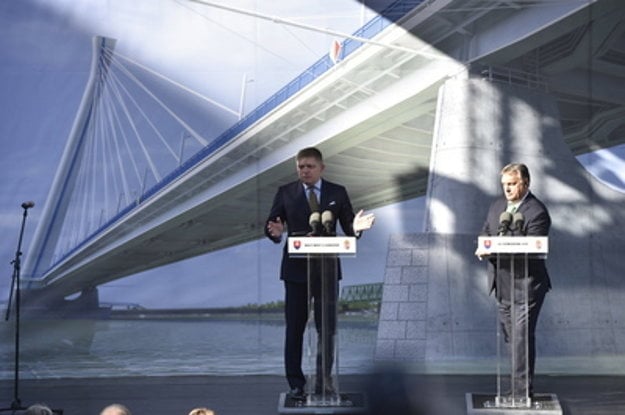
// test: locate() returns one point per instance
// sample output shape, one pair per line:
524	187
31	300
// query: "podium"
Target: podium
323	395
513	253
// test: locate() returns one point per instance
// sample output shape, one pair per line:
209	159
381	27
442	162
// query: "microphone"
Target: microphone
327	219
28	204
315	223
504	223
518	220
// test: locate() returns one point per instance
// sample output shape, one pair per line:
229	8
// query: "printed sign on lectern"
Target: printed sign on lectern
514	244
341	245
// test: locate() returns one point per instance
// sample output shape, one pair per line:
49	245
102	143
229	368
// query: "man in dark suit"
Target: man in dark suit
292	207
515	180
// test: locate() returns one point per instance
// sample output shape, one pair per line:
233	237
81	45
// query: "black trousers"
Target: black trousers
522	331
296	309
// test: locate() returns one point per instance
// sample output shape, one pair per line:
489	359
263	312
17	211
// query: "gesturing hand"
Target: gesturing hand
363	222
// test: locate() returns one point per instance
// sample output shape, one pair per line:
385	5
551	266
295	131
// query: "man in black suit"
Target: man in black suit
292	208
515	180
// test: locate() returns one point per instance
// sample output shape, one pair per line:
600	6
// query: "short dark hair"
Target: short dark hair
519	168
309	152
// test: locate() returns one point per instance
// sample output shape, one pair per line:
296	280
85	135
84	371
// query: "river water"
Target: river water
104	348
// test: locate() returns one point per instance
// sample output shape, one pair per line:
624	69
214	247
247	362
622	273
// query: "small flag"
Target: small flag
335	51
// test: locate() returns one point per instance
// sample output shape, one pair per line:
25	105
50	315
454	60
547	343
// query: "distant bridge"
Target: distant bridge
362	292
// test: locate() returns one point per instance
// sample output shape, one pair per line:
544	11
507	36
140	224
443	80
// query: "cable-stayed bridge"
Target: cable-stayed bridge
144	182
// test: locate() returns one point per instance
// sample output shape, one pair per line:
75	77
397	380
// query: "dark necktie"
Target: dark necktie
312	199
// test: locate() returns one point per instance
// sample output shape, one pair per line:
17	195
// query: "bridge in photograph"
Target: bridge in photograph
362	292
140	199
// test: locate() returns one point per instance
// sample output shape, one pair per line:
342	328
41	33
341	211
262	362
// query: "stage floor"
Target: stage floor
259	395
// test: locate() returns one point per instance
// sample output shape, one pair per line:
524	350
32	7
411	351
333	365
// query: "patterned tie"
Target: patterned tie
511	209
312	199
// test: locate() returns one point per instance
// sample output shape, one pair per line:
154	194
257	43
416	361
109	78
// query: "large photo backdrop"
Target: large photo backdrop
415	115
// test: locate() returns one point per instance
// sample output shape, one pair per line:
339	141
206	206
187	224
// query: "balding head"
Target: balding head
38	409
115	409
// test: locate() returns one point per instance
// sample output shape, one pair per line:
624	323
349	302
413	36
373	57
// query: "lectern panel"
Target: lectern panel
514	244
340	245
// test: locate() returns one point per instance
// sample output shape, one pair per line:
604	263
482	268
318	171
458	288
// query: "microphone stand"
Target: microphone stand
16	405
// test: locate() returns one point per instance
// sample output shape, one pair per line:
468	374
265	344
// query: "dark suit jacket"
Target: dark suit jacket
291	206
537	223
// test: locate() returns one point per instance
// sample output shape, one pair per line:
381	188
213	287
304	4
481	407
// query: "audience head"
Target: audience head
115	409
201	411
38	409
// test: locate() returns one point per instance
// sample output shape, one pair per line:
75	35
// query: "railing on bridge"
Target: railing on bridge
61	244
362	292
510	76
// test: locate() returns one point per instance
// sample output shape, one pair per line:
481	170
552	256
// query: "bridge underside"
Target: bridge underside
436	308
373	117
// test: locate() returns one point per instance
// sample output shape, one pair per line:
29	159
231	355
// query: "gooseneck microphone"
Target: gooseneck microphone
505	219
327	220
518	220
315	223
29	204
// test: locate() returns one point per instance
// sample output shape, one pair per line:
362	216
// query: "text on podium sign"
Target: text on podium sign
322	245
514	244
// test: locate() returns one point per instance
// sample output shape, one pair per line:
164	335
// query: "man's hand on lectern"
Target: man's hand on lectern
363	222
481	253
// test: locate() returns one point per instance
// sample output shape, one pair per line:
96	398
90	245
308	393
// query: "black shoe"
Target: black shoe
328	390
297	394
